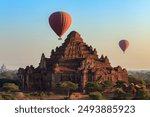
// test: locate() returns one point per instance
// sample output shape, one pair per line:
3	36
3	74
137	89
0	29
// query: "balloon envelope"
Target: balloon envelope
123	44
60	22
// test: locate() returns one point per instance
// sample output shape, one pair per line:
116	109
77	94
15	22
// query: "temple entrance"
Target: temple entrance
91	76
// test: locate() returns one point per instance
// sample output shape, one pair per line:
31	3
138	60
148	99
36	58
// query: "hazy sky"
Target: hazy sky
25	33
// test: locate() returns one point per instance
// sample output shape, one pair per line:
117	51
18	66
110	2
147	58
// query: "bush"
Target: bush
119	94
27	94
68	86
96	96
10	87
119	84
34	94
1	98
93	87
59	89
8	97
133	79
108	83
142	94
147	83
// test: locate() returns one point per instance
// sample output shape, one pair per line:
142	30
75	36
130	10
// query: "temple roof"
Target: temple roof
70	55
73	48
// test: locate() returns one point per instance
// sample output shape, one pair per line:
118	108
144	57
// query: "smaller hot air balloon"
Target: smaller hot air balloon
60	22
123	44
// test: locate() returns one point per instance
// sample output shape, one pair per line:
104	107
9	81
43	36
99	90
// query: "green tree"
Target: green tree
142	94
135	80
93	87
10	87
96	96
8	74
108	83
147	83
119	94
68	86
119	84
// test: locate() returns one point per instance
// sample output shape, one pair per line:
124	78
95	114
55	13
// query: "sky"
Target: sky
25	33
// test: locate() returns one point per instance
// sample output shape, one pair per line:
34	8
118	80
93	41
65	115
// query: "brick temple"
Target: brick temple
73	61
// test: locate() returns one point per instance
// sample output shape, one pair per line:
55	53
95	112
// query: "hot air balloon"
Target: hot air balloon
123	44
60	22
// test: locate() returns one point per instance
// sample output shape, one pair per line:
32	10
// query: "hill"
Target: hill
143	74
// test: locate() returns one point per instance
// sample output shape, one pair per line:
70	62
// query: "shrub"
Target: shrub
147	83
34	94
1	98
10	87
68	86
59	89
27	94
119	94
142	94
133	79
8	97
108	83
96	96
119	84
93	87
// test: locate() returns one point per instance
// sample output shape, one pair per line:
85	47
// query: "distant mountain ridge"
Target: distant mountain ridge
144	74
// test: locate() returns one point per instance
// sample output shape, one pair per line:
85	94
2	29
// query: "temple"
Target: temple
73	61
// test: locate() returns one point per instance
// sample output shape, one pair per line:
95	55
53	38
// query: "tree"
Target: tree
8	74
96	96
10	87
119	84
119	94
135	80
93	87
142	94
67	85
107	84
147	83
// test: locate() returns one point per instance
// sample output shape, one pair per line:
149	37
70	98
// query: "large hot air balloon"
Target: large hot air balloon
60	22
123	44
